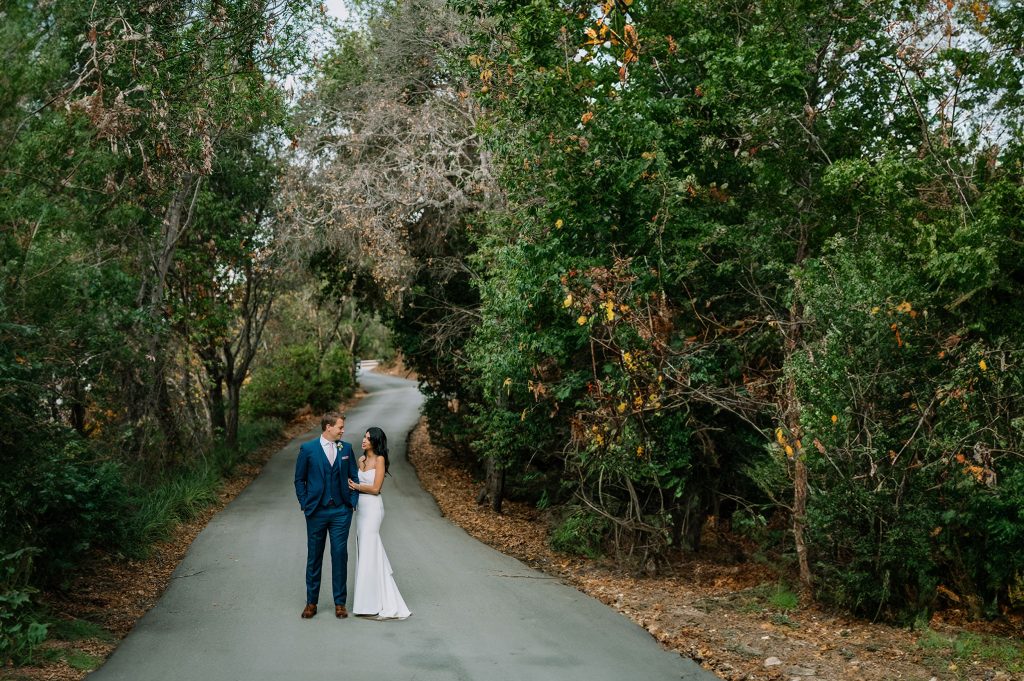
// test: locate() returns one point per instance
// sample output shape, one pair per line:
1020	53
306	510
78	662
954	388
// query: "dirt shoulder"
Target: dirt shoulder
734	619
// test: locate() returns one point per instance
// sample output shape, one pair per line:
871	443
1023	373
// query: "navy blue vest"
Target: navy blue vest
332	490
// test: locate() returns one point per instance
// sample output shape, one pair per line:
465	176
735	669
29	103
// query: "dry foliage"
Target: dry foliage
389	162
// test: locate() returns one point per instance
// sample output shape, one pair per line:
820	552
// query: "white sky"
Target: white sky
337	8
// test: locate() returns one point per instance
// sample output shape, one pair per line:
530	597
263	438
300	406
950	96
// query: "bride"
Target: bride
376	592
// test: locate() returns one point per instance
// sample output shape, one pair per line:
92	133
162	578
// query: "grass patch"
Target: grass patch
776	597
188	492
783	599
78	630
53	653
781	619
82	661
966	648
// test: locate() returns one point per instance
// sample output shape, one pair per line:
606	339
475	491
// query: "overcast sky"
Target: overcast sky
337	8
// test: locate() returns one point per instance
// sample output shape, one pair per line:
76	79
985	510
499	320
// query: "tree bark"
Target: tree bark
238	353
231	425
495	484
148	396
791	421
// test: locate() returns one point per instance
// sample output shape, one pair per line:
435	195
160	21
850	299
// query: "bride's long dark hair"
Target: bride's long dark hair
379	443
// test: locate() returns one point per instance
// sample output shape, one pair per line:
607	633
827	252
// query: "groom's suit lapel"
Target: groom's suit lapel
325	467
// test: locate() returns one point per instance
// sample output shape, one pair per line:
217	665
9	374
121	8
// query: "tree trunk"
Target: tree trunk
791	421
215	399
231	429
495	484
353	341
148	395
78	408
238	354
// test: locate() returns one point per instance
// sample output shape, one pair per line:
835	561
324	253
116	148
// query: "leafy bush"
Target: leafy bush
292	378
64	503
580	534
915	483
334	380
282	385
20	633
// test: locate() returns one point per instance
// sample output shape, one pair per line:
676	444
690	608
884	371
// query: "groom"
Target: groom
322	489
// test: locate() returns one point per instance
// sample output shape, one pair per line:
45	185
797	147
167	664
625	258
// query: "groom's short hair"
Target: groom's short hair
329	419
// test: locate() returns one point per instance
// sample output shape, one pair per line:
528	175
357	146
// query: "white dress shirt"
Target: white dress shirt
330	448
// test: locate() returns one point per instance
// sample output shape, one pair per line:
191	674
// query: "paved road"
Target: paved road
232	609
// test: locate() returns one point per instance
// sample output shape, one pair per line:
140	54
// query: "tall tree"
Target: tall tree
389	175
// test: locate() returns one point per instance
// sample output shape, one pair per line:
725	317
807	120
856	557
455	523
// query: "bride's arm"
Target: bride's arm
378	479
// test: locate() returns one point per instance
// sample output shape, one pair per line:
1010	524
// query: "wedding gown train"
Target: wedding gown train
376	593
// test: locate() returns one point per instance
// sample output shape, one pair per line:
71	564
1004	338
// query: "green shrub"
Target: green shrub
187	492
253	434
291	379
580	534
915	476
20	633
64	503
281	386
334	380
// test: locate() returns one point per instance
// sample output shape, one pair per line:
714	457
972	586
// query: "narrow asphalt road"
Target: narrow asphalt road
232	609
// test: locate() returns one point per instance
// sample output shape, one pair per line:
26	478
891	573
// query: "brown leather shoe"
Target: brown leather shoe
309	611
340	612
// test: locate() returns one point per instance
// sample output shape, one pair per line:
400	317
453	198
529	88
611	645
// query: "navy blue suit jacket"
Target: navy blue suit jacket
313	472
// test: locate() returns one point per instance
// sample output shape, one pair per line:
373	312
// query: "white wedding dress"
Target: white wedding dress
376	592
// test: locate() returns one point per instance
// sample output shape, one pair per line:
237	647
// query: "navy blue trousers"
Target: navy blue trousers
334	521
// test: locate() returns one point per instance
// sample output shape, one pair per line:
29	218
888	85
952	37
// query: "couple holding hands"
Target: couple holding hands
331	483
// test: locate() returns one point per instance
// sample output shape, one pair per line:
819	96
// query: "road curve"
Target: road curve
232	608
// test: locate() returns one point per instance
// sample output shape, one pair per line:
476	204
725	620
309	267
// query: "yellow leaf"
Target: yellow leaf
640	450
581	320
629	33
780	436
874	310
984	367
789	451
568	301
622	407
587	117
834	418
559	223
